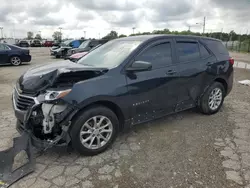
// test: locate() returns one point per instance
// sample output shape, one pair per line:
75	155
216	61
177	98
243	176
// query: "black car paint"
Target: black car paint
138	97
5	55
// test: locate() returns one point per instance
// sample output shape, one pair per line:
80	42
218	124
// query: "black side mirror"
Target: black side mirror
139	66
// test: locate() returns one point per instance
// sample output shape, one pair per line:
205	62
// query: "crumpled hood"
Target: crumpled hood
54	74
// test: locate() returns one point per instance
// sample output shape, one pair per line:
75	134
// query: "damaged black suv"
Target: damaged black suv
122	83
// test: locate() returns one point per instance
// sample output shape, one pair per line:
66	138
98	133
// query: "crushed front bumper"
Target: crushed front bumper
7	157
28	143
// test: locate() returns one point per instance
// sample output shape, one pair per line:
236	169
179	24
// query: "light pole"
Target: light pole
204	24
40	34
133	30
1	31
60	28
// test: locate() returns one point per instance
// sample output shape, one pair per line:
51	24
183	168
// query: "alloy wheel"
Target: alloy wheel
215	99
96	132
15	61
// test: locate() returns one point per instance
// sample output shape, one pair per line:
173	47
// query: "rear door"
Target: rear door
4	57
193	62
153	93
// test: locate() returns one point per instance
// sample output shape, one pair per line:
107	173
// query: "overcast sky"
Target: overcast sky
101	16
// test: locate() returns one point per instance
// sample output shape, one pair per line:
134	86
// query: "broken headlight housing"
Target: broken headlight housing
53	95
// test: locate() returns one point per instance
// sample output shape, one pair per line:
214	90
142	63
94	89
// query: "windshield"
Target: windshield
84	44
110	54
66	43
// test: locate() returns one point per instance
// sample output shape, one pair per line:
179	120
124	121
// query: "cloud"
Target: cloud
100	16
231	4
48	21
121	19
106	5
86	15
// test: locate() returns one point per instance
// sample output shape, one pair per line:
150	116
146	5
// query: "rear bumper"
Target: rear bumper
26	58
230	82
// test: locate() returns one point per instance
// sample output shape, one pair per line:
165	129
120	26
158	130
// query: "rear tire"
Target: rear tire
15	61
213	99
86	135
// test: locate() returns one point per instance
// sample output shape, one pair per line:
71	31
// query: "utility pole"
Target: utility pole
84	34
221	33
189	27
204	24
99	36
1	31
133	30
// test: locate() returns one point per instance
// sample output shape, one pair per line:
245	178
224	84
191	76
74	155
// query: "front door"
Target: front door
3	54
154	92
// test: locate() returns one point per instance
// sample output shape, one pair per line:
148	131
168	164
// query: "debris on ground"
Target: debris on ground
245	82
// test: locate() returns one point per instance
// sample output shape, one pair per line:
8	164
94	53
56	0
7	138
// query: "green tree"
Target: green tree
57	35
122	35
38	36
111	35
30	35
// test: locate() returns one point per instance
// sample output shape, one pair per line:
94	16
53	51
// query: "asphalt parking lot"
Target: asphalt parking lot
188	149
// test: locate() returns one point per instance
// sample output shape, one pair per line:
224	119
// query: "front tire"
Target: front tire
15	60
213	99
94	130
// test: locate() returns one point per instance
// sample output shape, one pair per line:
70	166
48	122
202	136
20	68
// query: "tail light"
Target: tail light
231	61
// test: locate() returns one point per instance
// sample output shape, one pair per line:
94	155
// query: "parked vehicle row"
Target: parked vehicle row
60	50
36	43
121	83
10	54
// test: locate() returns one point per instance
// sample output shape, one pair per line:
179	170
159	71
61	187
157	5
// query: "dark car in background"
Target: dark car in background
122	83
23	43
10	54
36	43
87	46
62	49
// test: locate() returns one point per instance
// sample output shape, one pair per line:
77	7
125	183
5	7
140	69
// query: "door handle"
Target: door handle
209	63
170	72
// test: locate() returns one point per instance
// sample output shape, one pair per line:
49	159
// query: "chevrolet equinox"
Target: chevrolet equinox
125	82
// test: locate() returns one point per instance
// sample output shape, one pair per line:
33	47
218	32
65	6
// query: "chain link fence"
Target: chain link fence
238	46
233	41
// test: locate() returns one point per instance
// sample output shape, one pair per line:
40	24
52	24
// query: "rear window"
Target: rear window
204	52
216	46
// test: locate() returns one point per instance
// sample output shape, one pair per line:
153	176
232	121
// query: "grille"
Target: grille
23	102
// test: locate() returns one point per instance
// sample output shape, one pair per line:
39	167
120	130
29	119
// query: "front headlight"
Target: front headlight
53	95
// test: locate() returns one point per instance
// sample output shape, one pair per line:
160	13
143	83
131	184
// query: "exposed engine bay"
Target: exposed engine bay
45	120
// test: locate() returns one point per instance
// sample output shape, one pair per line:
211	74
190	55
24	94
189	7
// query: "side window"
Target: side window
2	47
94	43
159	55
204	52
188	51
